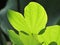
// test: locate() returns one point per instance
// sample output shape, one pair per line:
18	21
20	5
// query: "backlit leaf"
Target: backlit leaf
34	21
29	39
35	16
17	21
15	38
51	35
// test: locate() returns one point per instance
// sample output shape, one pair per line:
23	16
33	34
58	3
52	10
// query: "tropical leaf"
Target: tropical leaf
51	36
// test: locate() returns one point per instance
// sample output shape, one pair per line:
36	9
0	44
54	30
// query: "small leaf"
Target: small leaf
15	38
17	21
51	35
35	16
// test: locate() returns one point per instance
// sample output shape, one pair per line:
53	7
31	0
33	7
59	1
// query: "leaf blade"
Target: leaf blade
15	38
29	39
17	21
35	16
51	35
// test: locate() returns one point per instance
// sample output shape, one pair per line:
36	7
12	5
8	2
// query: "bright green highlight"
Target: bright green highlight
17	21
52	34
35	16
15	38
29	39
33	21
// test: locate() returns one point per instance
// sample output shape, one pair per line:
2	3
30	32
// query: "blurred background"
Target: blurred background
52	8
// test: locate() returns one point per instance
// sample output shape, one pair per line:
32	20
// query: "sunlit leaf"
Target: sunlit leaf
34	21
15	38
35	16
51	35
17	21
29	39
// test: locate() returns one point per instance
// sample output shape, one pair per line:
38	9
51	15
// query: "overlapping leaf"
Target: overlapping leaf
17	21
15	38
51	36
29	39
34	21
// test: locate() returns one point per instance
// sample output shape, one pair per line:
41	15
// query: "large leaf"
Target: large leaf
35	16
51	35
34	21
15	38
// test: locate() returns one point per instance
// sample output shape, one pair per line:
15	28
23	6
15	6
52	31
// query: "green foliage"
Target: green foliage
33	21
52	7
15	38
52	34
35	16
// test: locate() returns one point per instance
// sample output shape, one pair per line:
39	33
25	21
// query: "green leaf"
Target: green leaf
34	21
17	21
29	39
51	35
35	16
15	38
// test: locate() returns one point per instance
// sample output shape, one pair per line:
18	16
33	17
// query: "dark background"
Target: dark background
52	8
